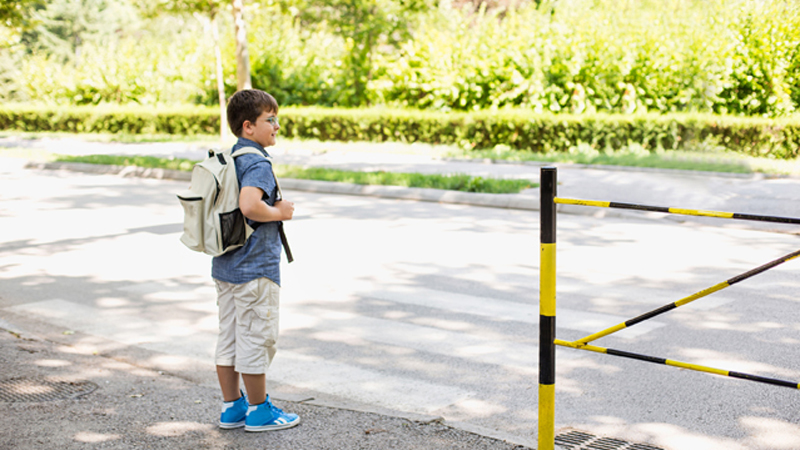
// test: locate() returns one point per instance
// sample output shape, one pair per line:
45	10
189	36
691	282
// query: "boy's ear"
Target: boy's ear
246	125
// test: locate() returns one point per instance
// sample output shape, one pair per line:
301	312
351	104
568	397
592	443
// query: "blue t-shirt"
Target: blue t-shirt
261	254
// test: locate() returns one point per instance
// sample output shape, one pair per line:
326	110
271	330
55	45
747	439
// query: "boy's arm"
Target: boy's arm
254	208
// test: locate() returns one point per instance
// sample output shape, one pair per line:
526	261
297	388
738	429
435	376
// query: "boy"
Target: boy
248	278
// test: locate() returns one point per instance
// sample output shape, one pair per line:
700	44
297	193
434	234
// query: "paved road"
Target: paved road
428	308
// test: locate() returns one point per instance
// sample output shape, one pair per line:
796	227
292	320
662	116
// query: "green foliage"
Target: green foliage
152	8
133	71
63	27
364	25
767	45
129	120
542	133
297	65
13	13
738	57
516	129
580	56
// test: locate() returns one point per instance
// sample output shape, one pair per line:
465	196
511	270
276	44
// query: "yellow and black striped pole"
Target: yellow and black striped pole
547	308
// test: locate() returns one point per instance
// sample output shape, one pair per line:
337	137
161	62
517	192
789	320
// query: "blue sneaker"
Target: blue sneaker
267	417
233	413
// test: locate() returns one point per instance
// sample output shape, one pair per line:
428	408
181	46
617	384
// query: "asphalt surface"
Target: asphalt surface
127	409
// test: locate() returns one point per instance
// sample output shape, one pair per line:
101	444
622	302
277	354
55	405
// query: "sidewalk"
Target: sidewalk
57	395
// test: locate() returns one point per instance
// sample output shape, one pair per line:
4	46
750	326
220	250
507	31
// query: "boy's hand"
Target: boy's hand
286	208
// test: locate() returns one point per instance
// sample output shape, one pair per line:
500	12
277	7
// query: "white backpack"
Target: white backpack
212	221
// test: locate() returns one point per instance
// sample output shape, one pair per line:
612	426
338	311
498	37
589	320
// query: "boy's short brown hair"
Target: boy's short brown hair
248	104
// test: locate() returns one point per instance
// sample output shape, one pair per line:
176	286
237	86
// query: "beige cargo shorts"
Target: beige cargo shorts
248	324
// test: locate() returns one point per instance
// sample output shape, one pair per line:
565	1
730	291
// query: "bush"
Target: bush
739	57
539	133
188	120
584	56
518	129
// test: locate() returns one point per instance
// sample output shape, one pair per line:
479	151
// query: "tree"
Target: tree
13	12
243	80
61	27
364	25
207	12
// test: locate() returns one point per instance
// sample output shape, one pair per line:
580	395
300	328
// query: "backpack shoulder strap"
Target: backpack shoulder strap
252	151
284	241
255	151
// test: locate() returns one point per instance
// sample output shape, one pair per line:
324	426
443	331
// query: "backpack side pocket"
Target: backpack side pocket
232	229
193	211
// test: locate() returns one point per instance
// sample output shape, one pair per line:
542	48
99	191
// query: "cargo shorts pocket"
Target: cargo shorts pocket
263	325
260	314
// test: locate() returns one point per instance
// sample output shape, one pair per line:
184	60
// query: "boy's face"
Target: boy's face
263	131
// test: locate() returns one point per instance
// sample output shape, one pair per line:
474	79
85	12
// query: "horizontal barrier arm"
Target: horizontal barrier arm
686	300
685	212
682	365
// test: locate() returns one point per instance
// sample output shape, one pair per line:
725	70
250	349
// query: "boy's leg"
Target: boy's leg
226	342
256	385
229	383
257	305
234	407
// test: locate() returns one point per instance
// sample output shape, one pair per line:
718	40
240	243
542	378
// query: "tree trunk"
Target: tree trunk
242	55
223	122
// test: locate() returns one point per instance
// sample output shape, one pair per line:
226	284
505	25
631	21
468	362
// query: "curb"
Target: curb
528	201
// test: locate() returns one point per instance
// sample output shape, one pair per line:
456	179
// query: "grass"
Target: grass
456	182
701	157
680	160
148	162
707	158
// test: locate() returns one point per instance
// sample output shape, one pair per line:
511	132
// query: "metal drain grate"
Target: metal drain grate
578	440
40	390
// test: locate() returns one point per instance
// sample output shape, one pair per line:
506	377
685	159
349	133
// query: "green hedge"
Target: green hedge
189	120
778	138
546	132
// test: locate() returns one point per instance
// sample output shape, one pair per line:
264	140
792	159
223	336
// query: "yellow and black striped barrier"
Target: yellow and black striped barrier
681	211
687	300
682	365
547	300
